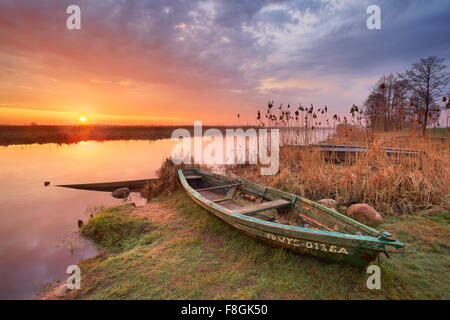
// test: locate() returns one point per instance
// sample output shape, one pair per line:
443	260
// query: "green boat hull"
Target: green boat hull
332	246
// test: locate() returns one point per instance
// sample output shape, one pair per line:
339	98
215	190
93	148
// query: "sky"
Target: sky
176	61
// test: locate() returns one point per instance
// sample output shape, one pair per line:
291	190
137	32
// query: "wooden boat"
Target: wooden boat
286	220
133	185
342	153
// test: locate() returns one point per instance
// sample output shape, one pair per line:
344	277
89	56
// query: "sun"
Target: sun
83	119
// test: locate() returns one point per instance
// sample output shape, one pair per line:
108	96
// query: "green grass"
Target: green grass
114	230
193	255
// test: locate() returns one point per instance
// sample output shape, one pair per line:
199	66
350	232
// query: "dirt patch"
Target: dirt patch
213	239
158	212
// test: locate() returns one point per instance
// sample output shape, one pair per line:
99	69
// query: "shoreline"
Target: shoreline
70	134
186	253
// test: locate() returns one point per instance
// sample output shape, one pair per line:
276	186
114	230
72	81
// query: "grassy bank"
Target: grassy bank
173	249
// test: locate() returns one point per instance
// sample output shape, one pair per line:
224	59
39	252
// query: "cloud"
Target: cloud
198	53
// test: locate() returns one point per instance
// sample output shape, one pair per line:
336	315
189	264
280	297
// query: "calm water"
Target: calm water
38	224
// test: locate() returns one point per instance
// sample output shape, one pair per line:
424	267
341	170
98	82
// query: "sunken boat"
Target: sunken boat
133	185
350	153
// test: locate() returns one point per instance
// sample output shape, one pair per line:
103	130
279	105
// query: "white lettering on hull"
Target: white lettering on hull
307	244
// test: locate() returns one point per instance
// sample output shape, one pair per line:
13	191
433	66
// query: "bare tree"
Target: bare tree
385	107
426	81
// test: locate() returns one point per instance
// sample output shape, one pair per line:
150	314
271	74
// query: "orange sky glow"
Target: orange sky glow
173	62
143	65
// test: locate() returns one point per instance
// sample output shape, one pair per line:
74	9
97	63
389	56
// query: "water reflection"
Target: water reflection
38	224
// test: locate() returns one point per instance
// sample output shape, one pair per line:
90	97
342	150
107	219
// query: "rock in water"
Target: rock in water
330	203
121	193
364	213
61	291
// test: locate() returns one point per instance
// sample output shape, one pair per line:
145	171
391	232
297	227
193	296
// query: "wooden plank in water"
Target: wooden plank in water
279	203
133	185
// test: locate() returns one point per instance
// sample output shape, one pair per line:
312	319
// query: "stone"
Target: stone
121	193
330	203
364	213
61	290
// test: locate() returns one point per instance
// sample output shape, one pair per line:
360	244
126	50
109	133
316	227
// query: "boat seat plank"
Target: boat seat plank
193	177
261	216
279	203
211	195
221	187
230	205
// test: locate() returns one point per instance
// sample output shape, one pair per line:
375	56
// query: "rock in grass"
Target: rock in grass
330	203
121	193
61	291
364	213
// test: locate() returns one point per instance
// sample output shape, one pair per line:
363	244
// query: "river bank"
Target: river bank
173	249
69	134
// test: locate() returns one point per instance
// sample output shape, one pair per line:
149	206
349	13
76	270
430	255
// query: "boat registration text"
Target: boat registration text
307	244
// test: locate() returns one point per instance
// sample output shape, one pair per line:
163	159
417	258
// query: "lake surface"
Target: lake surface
38	225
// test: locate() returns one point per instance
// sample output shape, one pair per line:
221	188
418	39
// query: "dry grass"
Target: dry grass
409	185
348	134
404	186
168	181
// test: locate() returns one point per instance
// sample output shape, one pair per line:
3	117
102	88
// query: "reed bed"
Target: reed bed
394	186
407	185
168	182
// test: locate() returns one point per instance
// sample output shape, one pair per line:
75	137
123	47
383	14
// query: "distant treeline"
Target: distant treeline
10	135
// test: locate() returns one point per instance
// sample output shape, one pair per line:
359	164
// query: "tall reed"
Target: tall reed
393	186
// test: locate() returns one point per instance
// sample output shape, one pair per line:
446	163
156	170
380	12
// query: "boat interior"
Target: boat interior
265	203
